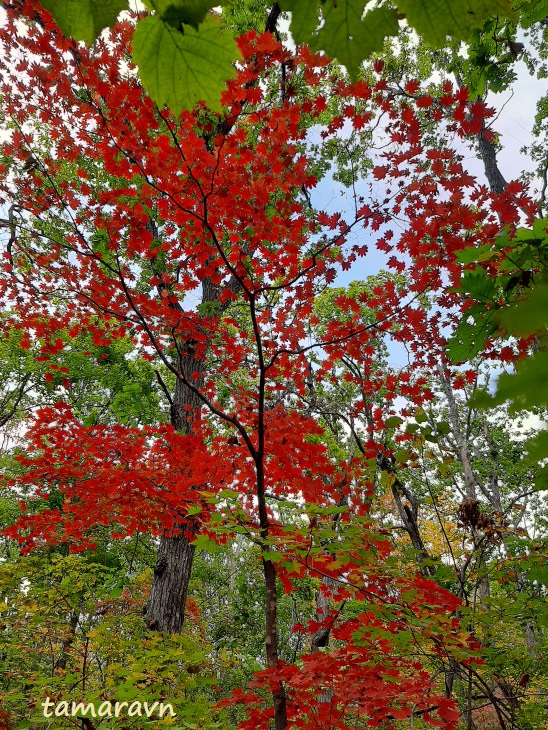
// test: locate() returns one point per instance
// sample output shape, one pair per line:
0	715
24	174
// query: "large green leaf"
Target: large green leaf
348	38
533	11
434	20
304	18
479	285
474	253
523	390
180	68
177	12
530	315
345	33
471	334
528	387
342	33
84	19
537	447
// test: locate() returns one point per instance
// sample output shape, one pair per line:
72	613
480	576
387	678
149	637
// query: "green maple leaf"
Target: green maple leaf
343	34
177	12
84	19
434	20
348	38
340	28
181	67
304	18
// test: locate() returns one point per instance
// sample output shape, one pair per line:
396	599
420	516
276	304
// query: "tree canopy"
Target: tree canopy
218	489
184	55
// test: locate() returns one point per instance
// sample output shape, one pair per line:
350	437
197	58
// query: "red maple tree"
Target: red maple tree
194	238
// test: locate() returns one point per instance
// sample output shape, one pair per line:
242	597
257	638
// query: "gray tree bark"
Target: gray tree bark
165	610
488	153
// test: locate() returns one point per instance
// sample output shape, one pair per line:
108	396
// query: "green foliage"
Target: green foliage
185	57
242	16
85	639
84	19
348	38
343	35
435	20
179	12
181	66
492	54
533	11
511	304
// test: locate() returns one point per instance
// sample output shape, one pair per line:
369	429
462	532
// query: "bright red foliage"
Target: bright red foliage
126	214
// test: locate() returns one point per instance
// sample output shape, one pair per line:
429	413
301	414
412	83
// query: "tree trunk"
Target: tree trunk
409	514
488	153
166	606
278	693
323	603
165	609
461	438
61	662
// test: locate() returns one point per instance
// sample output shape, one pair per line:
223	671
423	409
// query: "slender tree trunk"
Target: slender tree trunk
321	636
488	154
269	570
278	692
258	453
323	603
409	516
165	609
461	438
61	662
